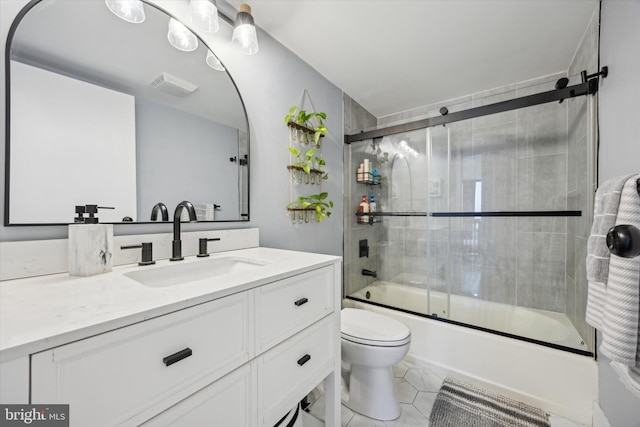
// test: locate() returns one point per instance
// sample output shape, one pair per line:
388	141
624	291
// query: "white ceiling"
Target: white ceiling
83	39
396	55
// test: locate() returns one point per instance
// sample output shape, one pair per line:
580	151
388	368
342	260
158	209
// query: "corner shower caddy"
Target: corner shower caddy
301	136
370	180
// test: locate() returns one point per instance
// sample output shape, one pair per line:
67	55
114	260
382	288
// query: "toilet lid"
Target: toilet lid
367	327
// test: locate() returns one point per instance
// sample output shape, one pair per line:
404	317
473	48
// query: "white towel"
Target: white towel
613	303
204	212
622	305
605	210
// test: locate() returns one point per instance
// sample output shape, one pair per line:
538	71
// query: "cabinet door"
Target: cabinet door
14	381
131	374
230	401
289	371
287	306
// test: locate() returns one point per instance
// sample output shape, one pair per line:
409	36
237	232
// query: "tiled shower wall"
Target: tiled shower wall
356	118
581	182
522	159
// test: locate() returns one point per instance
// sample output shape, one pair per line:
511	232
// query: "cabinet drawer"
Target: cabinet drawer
128	375
230	401
290	305
289	371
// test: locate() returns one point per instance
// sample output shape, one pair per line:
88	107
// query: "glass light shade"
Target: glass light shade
203	14
214	62
180	37
129	10
245	38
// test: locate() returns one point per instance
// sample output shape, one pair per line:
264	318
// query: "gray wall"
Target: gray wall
619	154
270	83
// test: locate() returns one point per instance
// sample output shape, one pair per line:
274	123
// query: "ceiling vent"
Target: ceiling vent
173	85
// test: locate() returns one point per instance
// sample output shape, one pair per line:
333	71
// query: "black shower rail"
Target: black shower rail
589	86
474	214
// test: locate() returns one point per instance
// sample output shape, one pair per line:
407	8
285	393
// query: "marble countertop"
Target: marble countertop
39	313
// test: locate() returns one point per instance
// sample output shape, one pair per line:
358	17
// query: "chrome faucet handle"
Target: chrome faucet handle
203	252
147	252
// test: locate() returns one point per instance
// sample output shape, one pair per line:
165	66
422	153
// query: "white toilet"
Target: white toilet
371	344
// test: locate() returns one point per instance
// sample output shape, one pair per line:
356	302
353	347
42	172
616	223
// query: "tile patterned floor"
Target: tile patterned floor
417	388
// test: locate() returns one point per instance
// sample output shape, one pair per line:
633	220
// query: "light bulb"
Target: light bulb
244	36
129	10
214	62
244	33
203	14
180	37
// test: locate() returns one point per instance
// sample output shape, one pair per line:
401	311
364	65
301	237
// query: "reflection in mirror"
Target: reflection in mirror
103	111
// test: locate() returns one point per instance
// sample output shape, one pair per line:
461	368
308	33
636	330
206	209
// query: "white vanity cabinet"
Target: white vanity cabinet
229	401
130	374
242	360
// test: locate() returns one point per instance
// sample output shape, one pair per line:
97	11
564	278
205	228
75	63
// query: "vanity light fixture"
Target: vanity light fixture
129	10
203	15
244	33
180	37
213	61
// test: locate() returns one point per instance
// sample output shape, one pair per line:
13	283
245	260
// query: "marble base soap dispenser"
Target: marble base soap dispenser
90	244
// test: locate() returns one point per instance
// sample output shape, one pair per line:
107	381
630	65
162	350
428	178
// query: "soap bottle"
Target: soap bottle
364	209
376	176
90	243
372	204
360	173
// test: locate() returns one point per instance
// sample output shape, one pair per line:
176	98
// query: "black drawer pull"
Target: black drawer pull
301	301
304	359
176	357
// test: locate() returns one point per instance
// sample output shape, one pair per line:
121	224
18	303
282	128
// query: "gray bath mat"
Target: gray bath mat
459	404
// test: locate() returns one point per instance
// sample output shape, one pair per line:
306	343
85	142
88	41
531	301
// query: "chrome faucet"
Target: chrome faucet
163	211
177	243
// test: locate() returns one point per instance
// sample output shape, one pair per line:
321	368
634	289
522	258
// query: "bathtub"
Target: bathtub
559	382
539	325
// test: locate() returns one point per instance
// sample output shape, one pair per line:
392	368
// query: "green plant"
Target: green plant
319	162
303	118
316	202
304	163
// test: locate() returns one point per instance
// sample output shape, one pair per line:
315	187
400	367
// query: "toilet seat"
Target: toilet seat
369	328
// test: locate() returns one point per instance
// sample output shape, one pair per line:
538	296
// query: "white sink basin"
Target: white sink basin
176	274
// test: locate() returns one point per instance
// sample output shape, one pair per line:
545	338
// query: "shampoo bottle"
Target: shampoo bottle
364	209
372	203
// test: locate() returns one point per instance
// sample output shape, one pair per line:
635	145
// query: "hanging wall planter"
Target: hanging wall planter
306	164
302	128
313	206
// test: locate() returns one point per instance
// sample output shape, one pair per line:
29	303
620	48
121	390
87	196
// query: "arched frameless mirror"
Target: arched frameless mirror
103	111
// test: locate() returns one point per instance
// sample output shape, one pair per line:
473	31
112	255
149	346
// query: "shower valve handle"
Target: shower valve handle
624	241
